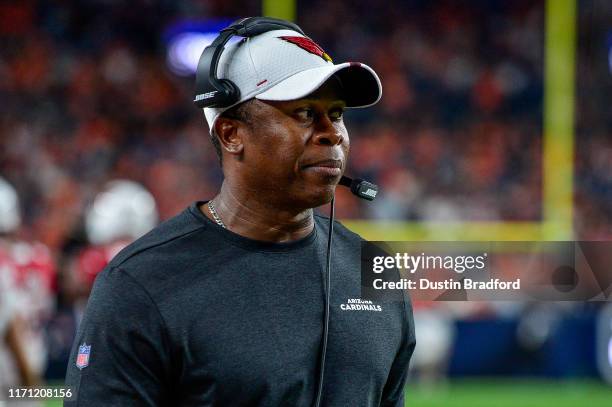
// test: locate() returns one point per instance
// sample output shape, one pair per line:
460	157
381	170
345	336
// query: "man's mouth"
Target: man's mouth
329	167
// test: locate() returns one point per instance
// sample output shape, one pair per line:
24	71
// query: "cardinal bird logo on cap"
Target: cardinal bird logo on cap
308	45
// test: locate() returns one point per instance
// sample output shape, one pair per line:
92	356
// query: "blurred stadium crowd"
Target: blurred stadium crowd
87	98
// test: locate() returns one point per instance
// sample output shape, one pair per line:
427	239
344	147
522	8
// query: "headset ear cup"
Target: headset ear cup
215	92
231	93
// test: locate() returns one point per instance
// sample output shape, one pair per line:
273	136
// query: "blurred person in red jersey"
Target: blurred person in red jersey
27	292
122	212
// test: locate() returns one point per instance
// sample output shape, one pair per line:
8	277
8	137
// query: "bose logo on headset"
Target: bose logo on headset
206	95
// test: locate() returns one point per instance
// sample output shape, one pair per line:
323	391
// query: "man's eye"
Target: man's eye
336	114
304	114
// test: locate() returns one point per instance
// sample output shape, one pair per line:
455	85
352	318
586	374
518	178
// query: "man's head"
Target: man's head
293	152
285	137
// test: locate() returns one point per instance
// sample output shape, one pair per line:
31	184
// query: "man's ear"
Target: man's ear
229	131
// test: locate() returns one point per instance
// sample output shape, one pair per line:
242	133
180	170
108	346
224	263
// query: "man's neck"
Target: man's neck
256	217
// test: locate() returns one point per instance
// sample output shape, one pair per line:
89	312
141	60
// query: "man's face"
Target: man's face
296	151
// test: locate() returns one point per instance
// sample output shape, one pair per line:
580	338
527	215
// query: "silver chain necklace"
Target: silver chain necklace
215	215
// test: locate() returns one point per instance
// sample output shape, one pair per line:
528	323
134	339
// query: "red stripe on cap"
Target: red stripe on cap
354	63
262	82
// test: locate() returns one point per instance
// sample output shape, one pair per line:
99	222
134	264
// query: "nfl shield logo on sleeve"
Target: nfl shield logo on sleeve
82	360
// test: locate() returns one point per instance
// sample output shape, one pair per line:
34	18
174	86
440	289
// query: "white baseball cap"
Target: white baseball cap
285	65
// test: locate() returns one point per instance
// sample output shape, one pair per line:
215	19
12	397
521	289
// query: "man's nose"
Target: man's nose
326	134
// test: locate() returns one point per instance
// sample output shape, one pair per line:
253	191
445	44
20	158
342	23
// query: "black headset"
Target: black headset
211	91
214	92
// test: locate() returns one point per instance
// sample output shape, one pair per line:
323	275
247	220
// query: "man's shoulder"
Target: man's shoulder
165	245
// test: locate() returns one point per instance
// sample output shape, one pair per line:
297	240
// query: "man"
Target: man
27	291
223	305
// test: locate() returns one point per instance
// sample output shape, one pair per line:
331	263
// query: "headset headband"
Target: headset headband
214	92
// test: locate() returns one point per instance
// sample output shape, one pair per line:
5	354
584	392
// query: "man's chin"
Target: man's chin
311	194
321	195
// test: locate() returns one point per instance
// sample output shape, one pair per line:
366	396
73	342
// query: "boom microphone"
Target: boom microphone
363	189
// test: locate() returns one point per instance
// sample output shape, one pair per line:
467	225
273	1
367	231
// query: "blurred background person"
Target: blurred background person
121	212
27	295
